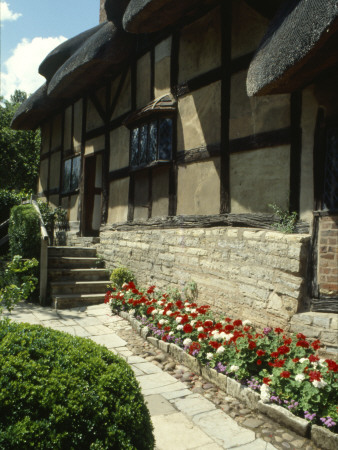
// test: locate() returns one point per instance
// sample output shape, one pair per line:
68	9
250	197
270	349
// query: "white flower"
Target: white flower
220	349
171	333
169	313
303	360
178	319
228	336
215	332
300	377
200	329
124	285
192	323
179	327
193	310
265	393
234	368
223	335
187	341
162	321
246	323
319	384
187	309
210	355
322	362
161	311
155	311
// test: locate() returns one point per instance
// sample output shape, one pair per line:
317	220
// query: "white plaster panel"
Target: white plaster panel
160	192
67	143
119	148
199	120
94	120
200	46
118	200
77	125
57	132
98	171
143	94
251	115
95	145
96	221
55	165
43	178
198	188
45	137
74	208
124	101
259	178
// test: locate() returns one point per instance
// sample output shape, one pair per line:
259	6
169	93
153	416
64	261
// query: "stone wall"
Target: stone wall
328	256
246	273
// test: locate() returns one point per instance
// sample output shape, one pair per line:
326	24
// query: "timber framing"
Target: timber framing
265	221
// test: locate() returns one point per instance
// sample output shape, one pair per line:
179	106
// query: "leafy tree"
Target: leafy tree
19	150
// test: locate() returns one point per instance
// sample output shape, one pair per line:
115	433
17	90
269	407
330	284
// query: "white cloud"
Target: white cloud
21	69
6	13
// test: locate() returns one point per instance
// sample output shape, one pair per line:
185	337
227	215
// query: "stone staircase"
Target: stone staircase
74	277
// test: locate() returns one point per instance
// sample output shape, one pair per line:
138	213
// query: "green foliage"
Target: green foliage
17	281
83	397
190	291
24	232
19	150
287	220
8	199
121	275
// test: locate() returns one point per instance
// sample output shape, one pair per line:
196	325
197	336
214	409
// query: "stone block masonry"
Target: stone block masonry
328	256
244	273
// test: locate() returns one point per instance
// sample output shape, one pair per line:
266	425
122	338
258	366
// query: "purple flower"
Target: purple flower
309	416
267	330
327	421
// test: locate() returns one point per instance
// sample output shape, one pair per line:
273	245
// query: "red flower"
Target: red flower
274	355
202	336
295	360
227	319
316	344
107	297
332	365
218	326
277	363
283	349
215	344
301	336
315	375
313	358
151	289
187	328
252	345
285	374
303	344
260	352
228	328
208	323
167	328
287	341
193	315
237	323
194	346
266	380
278	330
246	329
259	362
150	310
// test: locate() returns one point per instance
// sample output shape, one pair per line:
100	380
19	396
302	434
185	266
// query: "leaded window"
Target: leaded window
71	174
151	142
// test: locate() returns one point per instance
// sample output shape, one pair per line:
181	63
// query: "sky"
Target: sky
30	29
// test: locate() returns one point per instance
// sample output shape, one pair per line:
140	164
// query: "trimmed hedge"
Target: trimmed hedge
24	232
8	199
63	392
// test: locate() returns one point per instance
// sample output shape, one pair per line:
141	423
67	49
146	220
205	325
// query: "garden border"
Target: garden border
320	436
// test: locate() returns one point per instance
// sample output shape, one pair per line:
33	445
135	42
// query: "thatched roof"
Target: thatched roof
301	42
73	67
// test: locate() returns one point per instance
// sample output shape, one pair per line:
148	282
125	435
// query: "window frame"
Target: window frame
71	190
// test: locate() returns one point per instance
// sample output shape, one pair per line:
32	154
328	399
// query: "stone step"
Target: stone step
88	252
76	300
77	274
78	287
68	262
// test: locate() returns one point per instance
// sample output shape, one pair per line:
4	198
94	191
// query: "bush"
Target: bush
24	232
18	281
80	397
8	199
121	275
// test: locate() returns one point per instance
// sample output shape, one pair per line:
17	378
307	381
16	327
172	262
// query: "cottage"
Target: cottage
169	129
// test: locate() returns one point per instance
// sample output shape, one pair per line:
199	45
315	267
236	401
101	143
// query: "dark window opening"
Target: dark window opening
151	142
330	195
71	174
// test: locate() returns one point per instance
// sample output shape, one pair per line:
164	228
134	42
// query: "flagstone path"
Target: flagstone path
187	412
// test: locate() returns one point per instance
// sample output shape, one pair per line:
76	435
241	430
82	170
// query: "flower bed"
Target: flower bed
285	370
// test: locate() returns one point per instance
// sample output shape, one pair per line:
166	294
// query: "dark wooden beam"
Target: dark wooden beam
198	82
226	17
241	63
273	138
198	154
102	113
264	221
119	173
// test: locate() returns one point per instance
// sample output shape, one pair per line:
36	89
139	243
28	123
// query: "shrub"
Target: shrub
80	397
287	221
121	275
8	199
24	232
17	281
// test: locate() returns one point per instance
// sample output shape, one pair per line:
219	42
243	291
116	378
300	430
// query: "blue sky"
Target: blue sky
30	29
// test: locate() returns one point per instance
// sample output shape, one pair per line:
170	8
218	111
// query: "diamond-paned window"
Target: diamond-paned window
71	174
151	142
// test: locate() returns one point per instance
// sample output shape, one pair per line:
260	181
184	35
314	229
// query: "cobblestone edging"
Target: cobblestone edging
320	436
